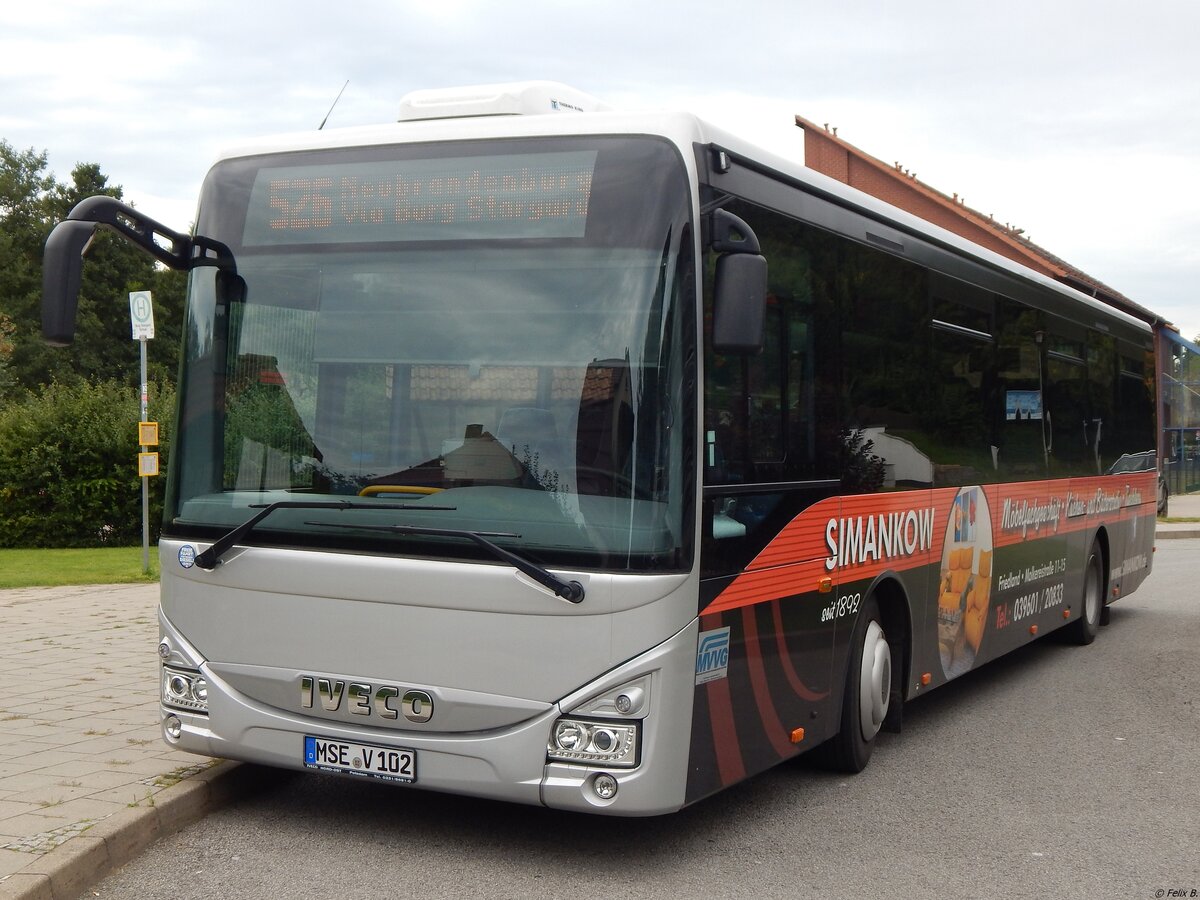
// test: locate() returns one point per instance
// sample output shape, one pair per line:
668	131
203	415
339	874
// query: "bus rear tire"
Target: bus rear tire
867	695
1083	630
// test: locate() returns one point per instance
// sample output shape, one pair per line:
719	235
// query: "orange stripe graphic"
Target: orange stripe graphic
767	713
858	537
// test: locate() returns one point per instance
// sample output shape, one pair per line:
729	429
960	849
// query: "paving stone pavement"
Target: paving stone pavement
82	764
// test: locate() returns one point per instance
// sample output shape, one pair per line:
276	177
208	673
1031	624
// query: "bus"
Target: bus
534	450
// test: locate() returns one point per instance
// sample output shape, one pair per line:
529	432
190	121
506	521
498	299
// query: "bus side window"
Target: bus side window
766	416
960	414
883	310
1020	446
1070	426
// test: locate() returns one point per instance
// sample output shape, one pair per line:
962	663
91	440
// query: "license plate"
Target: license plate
365	760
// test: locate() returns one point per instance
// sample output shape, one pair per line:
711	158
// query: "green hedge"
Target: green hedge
68	466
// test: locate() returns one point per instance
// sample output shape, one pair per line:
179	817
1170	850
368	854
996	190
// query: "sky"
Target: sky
1077	120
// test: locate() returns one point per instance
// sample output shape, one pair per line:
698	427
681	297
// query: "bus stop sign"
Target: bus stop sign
141	314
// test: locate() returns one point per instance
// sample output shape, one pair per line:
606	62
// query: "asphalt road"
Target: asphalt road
1058	771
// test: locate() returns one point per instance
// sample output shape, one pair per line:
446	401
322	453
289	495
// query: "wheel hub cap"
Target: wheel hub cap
875	681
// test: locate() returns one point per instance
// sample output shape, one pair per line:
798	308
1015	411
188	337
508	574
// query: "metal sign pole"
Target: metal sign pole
145	479
141	317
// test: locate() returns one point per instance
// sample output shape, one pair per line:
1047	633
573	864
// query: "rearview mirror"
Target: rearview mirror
62	261
740	286
739	303
62	272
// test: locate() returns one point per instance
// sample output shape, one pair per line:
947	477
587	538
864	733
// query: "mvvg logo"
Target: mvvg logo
712	655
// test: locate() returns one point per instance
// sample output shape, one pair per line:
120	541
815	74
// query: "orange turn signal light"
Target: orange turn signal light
1067	613
797	735
1033	629
926	677
825	585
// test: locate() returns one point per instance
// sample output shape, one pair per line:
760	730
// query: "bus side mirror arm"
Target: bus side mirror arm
62	261
739	288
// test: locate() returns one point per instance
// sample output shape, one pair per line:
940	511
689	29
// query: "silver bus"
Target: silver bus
532	450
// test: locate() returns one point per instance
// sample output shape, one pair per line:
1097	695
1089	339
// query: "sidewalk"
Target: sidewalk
86	781
1181	506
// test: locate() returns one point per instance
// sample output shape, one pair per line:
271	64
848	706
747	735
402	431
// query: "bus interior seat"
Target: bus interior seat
604	430
530	433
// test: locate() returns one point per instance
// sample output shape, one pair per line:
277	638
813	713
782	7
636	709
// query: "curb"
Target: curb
1176	533
71	868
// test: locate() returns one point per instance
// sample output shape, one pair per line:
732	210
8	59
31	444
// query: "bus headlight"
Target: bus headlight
609	743
184	689
630	699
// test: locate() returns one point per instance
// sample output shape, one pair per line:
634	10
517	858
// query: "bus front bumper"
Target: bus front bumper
503	764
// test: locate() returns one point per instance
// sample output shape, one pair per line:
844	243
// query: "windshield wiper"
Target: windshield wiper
571	591
210	557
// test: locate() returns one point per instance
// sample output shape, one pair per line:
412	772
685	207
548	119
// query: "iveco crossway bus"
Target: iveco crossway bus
533	450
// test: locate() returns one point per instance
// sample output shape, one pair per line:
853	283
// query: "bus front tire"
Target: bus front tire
867	695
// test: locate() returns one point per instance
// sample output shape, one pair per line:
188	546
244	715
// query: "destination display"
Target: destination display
533	195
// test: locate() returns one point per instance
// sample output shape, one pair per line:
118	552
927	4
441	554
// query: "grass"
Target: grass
50	568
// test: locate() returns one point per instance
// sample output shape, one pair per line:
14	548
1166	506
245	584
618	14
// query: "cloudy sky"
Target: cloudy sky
1077	120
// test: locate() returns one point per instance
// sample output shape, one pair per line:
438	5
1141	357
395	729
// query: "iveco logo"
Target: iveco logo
364	700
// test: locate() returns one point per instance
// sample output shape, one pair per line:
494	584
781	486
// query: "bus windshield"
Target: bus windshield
482	337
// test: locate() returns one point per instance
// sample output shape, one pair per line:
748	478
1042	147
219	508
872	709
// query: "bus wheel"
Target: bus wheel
1083	630
868	692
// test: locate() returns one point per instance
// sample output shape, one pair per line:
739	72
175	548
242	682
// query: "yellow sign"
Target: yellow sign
148	434
147	464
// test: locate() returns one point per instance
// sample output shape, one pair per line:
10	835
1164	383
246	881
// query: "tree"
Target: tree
7	329
23	185
114	268
862	470
68	466
67	416
31	202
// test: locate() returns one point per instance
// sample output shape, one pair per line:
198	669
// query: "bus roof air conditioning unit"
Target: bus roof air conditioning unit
522	98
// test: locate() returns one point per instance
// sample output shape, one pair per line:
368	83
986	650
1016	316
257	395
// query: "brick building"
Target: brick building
1178	360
